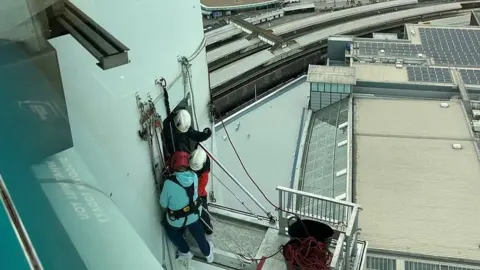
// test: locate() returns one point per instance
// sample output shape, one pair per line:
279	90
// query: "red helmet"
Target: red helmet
179	161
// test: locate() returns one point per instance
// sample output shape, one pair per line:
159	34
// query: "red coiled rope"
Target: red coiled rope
307	254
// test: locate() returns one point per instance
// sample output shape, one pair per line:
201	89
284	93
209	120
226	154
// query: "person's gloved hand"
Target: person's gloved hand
207	131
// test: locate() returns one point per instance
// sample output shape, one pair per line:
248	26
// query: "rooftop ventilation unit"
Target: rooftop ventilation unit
476	125
475	104
457	146
476	114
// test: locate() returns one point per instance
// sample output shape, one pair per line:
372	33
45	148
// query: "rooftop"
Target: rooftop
239	67
267	131
331	74
234	3
414	187
415	160
438	45
427	57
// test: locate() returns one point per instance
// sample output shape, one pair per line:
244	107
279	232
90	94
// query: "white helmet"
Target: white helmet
197	158
182	120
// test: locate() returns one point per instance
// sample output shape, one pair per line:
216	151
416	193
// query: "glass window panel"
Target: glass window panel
335	88
328	87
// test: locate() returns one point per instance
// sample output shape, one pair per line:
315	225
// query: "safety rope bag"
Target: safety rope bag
308	248
192	207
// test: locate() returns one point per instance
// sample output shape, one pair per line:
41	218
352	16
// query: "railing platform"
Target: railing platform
255	239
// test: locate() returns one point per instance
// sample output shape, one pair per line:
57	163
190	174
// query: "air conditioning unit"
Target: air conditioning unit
476	125
476	114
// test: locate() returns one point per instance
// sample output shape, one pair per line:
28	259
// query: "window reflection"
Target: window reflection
34	125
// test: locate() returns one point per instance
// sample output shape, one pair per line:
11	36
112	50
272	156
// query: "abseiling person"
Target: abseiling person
180	198
200	163
179	134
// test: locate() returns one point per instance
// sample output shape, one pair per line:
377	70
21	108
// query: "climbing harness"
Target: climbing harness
192	207
151	127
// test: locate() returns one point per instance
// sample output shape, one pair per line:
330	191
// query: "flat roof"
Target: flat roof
379	72
298	7
226	49
221	33
233	3
435	45
461	20
331	74
265	137
419	195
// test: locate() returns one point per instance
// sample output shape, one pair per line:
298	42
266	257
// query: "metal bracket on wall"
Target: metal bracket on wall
109	51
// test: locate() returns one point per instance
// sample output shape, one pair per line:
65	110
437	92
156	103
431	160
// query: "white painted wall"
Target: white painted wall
101	104
266	141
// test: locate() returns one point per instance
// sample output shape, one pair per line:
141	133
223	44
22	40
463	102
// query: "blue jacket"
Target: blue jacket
175	197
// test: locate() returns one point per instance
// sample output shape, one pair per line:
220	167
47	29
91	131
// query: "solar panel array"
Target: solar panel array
470	76
453	47
390	49
428	74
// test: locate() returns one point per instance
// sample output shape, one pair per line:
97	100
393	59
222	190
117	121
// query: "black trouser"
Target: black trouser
205	216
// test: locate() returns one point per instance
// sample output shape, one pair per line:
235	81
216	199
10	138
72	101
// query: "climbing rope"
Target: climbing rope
192	57
304	254
231	239
163	85
151	127
341	223
307	254
188	80
233	193
187	75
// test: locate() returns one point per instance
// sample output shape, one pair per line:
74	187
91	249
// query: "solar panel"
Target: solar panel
452	47
460	47
428	74
470	76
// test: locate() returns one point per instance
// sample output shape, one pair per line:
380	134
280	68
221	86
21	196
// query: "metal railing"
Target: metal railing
342	216
17	225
